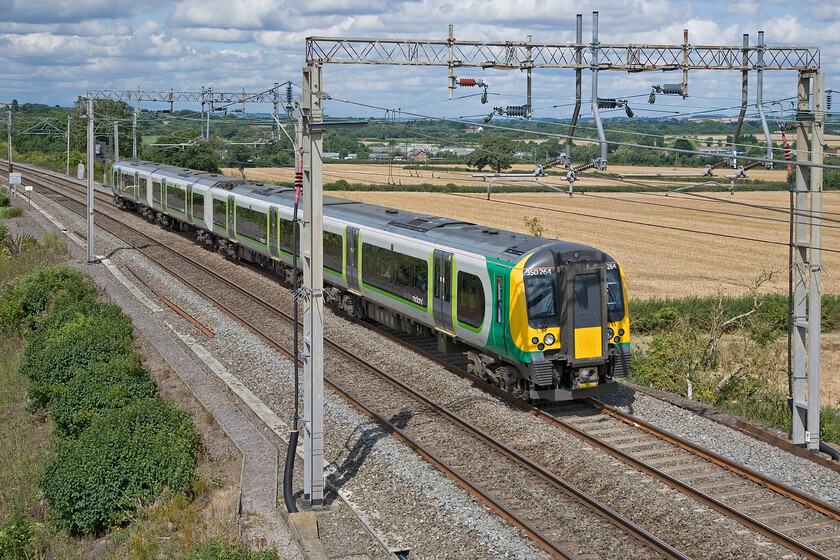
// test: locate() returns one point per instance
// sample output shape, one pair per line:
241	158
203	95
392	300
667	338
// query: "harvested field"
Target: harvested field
397	174
664	243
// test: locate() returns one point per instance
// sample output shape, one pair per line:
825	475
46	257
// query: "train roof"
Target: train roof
506	246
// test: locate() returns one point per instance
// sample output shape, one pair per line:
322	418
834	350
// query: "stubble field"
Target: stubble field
670	246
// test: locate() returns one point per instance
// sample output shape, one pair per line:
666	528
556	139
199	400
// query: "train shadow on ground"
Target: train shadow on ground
358	452
622	397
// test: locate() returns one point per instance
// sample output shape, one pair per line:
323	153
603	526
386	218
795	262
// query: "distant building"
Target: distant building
350	156
419	156
330	155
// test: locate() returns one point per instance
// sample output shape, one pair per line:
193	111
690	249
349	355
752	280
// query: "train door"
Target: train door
188	207
163	193
136	187
231	208
442	291
352	237
585	307
501	318
273	228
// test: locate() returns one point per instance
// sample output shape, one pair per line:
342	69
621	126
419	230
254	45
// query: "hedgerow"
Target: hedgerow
44	290
123	460
100	387
69	341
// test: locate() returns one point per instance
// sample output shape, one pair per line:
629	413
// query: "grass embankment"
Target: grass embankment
95	463
728	352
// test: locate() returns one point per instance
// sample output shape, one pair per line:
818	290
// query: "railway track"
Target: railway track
550	511
756	502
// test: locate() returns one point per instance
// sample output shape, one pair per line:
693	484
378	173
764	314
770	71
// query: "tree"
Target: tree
495	152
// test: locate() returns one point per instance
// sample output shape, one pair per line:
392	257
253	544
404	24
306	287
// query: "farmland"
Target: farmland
670	246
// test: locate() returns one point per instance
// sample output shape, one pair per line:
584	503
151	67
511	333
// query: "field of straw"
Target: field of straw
670	246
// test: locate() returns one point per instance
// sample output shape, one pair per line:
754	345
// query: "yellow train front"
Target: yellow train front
568	322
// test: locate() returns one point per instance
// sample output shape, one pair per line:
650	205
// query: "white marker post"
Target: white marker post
28	189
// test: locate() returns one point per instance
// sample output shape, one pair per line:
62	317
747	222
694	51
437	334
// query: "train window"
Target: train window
540	294
470	299
615	298
287	234
587	300
333	254
400	275
252	224
377	266
410	272
198	205
220	213
176	198
127	182
156	193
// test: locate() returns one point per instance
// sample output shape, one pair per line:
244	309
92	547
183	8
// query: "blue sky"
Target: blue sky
53	50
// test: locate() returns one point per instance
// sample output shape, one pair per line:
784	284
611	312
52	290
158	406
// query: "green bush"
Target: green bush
656	315
219	549
7	212
43	290
20	538
4	199
122	461
69	341
102	386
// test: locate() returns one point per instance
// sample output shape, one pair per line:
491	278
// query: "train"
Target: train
544	320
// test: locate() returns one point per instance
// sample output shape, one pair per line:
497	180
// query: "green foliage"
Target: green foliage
220	549
7	212
44	289
495	152
656	315
198	155
98	389
123	460
71	340
20	538
4	199
534	226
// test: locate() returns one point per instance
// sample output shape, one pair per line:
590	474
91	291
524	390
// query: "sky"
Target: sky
52	51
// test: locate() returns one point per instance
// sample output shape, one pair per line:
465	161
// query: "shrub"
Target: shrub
43	290
69	341
122	461
20	538
219	549
4	199
7	212
100	387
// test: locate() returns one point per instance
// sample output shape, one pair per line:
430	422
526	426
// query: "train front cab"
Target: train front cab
575	309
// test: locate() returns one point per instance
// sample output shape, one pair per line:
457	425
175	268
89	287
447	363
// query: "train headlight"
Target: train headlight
610	333
548	339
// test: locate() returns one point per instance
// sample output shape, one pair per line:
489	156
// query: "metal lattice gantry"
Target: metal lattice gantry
206	96
510	55
805	321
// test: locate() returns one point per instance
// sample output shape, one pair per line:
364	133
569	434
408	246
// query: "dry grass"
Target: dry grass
658	262
675	246
397	174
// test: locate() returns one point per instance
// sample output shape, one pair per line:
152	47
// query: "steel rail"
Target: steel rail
707	499
766	481
785	540
546	543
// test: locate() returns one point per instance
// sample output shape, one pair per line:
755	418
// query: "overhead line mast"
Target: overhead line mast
527	55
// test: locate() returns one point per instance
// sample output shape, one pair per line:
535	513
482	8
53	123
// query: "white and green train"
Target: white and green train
540	318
